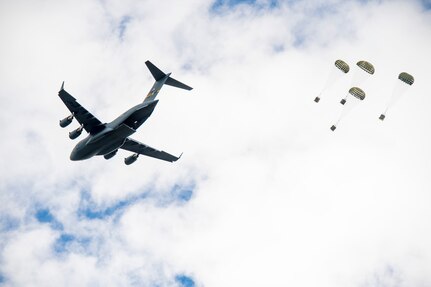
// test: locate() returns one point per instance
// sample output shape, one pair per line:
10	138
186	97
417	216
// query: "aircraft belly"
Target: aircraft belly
110	147
113	140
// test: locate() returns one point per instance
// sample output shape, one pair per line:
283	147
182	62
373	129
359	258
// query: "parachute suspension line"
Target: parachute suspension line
340	67
342	114
362	72
391	99
332	77
345	110
404	81
317	99
353	98
358	78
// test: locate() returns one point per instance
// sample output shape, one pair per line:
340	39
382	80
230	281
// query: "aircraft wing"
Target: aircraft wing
90	123
140	148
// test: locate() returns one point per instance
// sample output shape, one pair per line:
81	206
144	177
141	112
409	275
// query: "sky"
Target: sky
265	193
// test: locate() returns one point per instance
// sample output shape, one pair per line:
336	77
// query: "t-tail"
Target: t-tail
161	79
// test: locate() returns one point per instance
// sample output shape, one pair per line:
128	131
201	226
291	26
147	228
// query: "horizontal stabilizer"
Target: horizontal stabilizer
172	82
159	75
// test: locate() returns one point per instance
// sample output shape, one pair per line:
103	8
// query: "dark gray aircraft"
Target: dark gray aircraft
106	138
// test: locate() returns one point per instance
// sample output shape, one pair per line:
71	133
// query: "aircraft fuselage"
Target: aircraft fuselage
113	135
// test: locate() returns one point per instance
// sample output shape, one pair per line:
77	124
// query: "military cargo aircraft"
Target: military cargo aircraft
106	138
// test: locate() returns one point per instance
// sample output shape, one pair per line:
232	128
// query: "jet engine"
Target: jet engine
111	154
131	159
66	121
75	133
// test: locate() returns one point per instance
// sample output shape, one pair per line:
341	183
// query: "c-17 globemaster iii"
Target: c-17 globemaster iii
106	138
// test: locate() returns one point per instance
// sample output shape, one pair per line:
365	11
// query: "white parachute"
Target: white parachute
405	80
355	96
334	75
360	75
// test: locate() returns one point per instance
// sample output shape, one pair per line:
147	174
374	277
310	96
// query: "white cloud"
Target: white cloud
278	200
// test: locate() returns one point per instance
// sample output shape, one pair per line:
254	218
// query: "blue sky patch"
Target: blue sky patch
178	194
184	281
89	210
8	223
62	242
232	3
225	4
65	241
45	216
182	193
426	4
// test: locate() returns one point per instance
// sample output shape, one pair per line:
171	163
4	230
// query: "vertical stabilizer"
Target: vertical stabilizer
156	72
159	75
161	79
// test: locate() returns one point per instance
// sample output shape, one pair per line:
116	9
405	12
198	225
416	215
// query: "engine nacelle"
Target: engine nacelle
66	121
111	154
75	133
131	159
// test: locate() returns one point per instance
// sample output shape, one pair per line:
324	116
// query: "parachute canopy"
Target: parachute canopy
343	66
366	66
406	78
357	93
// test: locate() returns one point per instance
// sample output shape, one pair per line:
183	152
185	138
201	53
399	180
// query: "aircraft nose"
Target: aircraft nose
73	156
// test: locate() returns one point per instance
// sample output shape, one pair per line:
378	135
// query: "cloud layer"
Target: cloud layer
265	194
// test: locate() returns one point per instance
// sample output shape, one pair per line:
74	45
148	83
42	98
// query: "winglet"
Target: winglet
180	156
62	86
